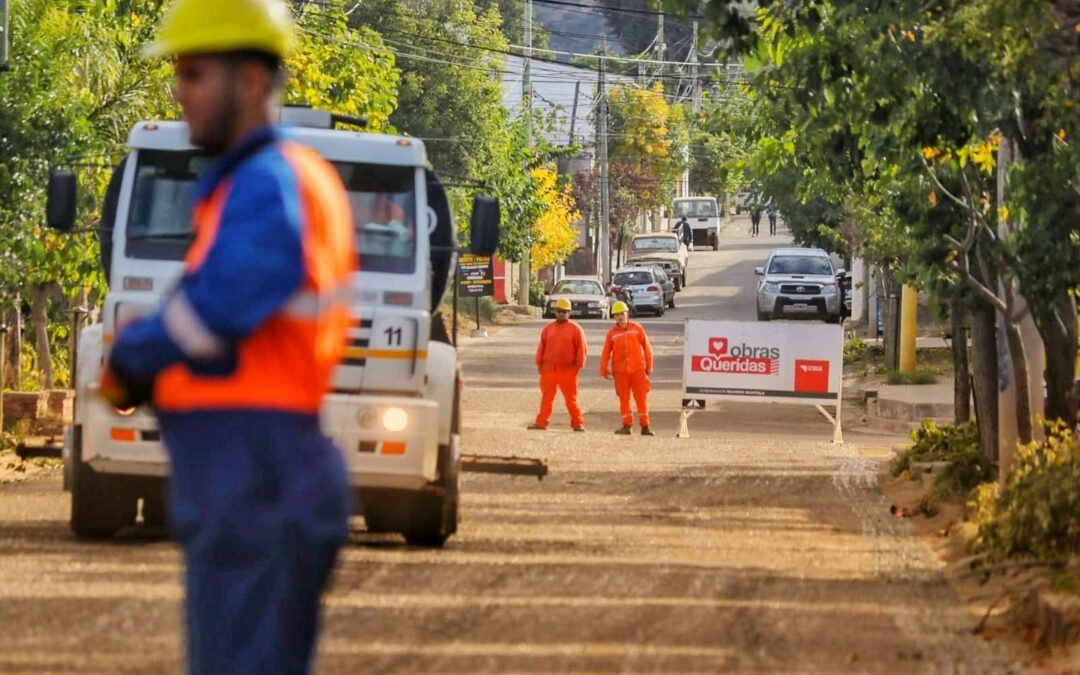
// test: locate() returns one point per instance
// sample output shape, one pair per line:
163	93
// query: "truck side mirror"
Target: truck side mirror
60	201
484	226
760	271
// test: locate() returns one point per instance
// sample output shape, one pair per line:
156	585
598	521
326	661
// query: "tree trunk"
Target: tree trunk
1059	340
1018	357
984	368
40	317
961	371
890	318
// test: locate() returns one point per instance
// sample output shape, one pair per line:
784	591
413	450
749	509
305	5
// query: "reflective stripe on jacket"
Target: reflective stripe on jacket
281	337
562	347
627	350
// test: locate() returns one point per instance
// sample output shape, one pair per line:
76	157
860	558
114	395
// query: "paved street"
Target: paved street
756	545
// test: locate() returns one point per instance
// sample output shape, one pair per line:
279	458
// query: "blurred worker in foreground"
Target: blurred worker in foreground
239	356
628	354
559	357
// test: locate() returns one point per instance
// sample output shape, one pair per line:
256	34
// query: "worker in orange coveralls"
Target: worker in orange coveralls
629	354
559	356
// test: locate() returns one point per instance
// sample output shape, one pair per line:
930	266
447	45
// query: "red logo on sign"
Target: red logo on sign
811	376
718	346
740	359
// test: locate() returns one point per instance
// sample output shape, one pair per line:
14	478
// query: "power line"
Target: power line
620	10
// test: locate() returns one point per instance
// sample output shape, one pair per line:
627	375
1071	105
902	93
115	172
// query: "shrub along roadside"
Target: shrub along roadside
956	444
1037	511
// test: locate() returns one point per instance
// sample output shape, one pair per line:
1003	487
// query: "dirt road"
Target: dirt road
753	546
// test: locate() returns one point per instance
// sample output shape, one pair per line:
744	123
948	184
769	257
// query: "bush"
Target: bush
956	444
1037	511
537	293
933	443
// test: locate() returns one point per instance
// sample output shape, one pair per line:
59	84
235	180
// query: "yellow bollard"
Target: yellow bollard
908	321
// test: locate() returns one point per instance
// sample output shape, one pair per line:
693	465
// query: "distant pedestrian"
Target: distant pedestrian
686	233
628	355
755	220
773	213
560	355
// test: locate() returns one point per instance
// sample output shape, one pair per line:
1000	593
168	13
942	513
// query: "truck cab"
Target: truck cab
394	406
703	217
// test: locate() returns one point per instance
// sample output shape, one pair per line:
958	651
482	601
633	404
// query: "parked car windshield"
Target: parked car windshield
633	278
650	244
695	208
578	287
800	264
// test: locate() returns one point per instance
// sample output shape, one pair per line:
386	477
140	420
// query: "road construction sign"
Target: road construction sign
777	361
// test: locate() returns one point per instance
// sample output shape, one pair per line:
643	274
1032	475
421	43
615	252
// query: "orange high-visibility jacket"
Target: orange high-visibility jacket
562	347
627	350
286	363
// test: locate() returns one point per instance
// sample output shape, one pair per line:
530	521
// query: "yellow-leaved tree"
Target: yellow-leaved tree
554	235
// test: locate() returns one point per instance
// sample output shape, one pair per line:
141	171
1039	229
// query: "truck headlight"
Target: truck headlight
771	287
829	289
594	304
395	419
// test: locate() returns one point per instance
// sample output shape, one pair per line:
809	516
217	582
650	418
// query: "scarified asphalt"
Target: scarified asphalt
755	545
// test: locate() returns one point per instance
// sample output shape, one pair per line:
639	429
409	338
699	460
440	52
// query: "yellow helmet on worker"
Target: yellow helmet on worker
563	304
221	26
619	308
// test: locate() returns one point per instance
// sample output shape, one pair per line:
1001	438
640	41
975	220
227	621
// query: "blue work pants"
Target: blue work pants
259	501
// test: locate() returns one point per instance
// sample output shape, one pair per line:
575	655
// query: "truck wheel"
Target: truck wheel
432	518
154	510
99	504
763	316
678	285
671	303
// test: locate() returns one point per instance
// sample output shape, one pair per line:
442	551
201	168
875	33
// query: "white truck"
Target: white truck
702	215
394	409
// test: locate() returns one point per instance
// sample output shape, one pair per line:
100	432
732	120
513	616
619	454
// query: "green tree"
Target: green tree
74	88
330	72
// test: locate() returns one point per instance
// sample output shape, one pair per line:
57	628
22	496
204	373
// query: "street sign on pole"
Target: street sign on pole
475	277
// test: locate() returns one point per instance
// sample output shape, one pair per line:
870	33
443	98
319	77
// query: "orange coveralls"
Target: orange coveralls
631	358
559	356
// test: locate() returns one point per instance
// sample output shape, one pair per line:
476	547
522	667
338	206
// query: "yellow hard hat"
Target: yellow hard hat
619	308
218	26
563	303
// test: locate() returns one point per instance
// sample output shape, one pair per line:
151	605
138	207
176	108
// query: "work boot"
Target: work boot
579	428
646	431
536	427
624	430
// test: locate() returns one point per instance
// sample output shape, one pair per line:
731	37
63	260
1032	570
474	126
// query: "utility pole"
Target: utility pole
605	219
695	83
4	28
524	275
573	111
660	46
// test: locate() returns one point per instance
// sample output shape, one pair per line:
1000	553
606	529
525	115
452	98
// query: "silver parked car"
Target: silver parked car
799	282
647	287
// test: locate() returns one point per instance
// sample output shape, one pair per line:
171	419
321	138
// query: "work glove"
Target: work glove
122	390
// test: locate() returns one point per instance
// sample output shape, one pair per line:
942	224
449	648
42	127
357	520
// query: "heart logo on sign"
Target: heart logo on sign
718	346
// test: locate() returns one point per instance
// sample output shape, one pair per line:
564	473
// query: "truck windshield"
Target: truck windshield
695	208
383	200
159	220
800	264
384	205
